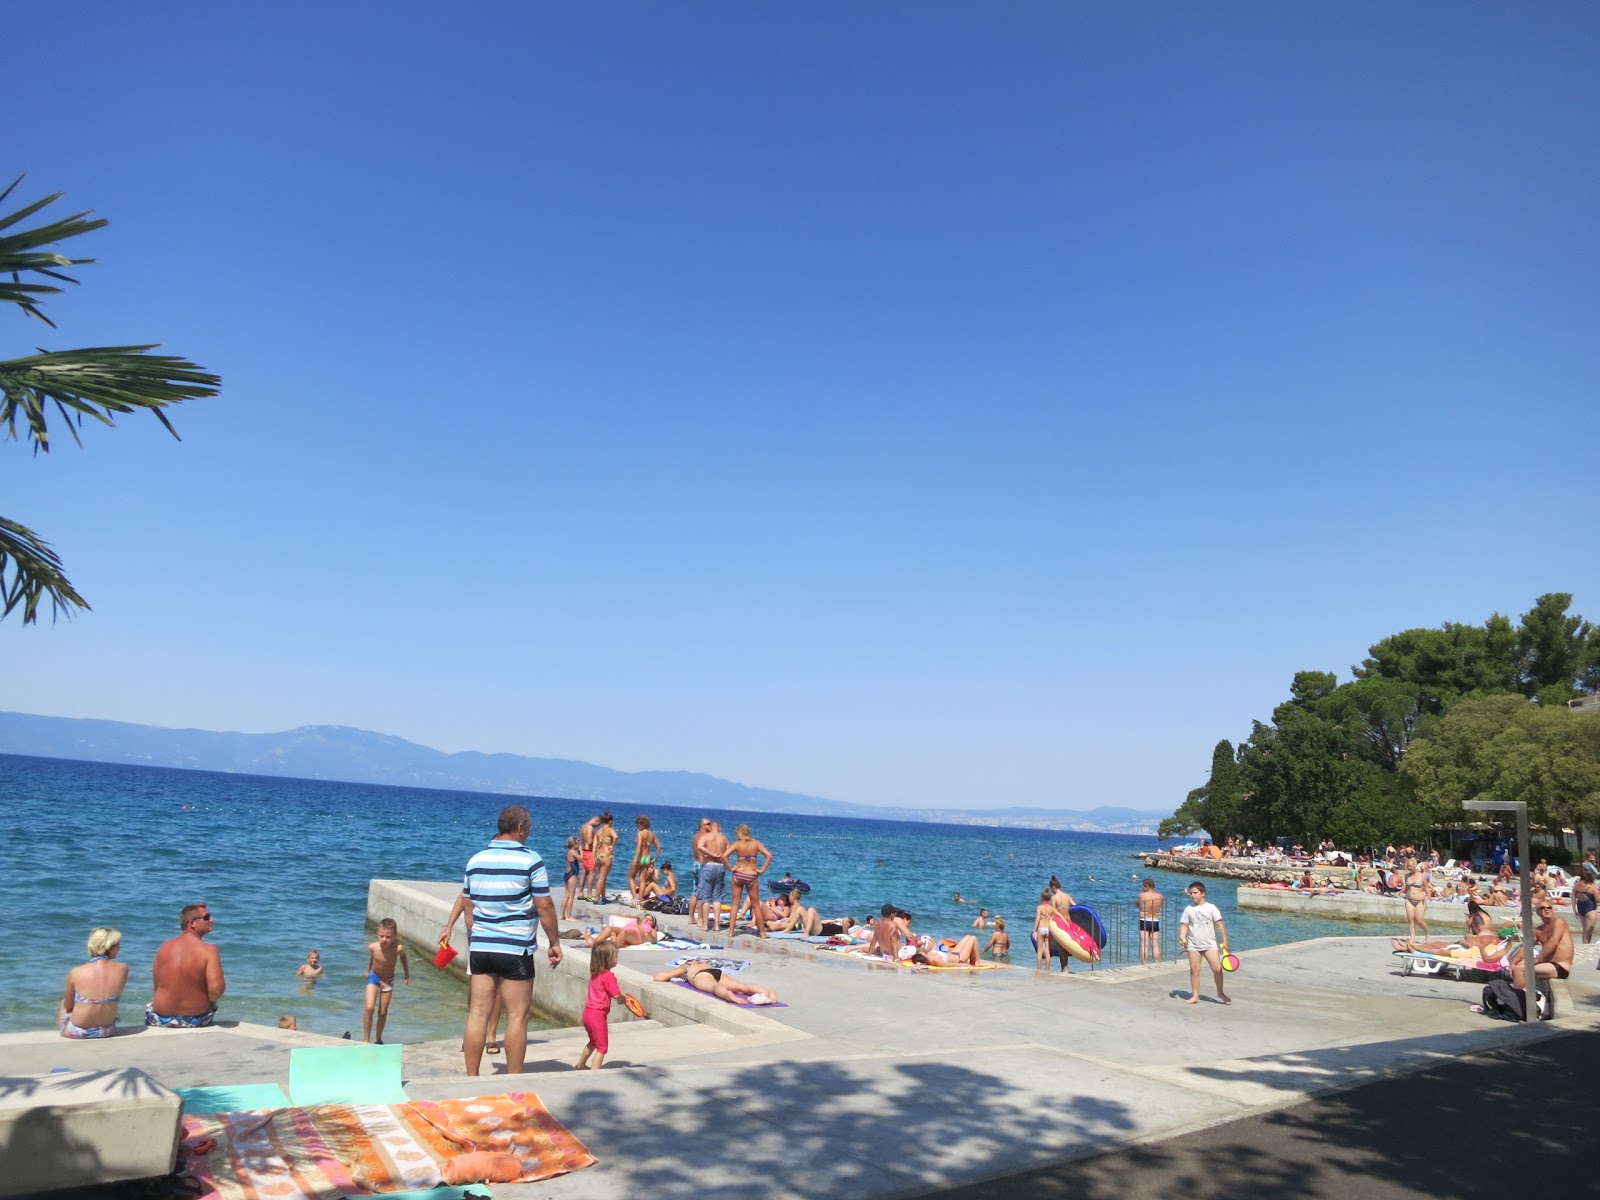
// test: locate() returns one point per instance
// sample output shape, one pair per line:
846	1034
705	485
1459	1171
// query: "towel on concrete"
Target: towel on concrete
338	1150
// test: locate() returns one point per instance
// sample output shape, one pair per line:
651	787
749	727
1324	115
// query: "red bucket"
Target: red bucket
446	955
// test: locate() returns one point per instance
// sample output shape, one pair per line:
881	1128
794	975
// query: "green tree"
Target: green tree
1504	748
1453	660
1210	808
1554	648
1293	775
99	382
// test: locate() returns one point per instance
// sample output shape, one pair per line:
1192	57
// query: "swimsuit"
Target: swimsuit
198	1021
377	981
84	1032
587	858
1583	903
745	877
1149	924
572	870
714	972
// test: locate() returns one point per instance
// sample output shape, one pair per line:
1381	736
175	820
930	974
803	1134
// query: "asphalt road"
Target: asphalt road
1462	1130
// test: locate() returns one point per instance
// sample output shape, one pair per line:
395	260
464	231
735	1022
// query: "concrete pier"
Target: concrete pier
1445	918
877	1081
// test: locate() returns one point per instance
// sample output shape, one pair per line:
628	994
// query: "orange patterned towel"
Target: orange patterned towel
334	1151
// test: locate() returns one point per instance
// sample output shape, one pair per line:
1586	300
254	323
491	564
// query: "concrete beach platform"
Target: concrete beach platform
878	1081
1445	917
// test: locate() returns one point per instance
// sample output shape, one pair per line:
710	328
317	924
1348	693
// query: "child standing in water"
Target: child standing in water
999	943
603	989
381	958
312	967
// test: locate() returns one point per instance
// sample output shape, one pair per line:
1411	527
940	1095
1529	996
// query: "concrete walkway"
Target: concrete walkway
877	1081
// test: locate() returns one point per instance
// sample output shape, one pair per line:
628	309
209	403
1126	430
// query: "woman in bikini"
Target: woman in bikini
89	1005
634	933
645	849
1416	896
934	954
741	860
1585	901
605	845
703	977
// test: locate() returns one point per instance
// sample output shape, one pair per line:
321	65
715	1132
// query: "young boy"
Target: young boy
999	943
382	955
312	967
1202	934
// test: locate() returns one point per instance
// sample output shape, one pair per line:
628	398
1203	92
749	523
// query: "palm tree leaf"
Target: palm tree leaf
24	252
97	382
30	572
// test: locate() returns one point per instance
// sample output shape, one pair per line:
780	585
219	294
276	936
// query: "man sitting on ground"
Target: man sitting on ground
1552	949
187	975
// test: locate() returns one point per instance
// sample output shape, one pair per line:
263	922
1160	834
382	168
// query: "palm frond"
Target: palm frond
30	572
98	382
26	252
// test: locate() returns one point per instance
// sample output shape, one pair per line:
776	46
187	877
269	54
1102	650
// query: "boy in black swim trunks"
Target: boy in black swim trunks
1150	904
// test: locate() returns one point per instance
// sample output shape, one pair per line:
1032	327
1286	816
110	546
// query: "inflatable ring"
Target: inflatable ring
1073	939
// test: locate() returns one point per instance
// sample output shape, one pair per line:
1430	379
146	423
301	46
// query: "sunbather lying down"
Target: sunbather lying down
1461	951
634	933
703	977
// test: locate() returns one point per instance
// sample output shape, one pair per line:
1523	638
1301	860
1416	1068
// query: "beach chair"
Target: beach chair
1420	962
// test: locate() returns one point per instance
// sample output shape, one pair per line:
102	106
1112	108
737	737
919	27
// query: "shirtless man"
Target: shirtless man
187	975
586	858
712	846
699	859
1150	904
889	933
1553	943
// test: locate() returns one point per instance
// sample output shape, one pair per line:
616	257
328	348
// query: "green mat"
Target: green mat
469	1191
245	1097
354	1074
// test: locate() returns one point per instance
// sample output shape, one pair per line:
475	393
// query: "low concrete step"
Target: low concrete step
635	1043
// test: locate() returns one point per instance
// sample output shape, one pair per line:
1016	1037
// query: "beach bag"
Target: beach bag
1500	999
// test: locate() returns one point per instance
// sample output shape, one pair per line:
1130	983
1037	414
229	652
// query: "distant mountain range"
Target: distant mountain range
337	752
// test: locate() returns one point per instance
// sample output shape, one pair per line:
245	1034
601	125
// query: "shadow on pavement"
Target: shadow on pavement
1468	1129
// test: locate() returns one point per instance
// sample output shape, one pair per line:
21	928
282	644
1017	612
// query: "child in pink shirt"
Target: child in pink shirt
603	989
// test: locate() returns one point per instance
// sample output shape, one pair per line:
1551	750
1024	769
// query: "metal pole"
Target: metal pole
1530	982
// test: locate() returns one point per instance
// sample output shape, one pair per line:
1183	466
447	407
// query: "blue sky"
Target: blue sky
913	404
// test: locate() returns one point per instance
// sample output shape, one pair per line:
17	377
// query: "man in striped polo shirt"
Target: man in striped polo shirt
506	889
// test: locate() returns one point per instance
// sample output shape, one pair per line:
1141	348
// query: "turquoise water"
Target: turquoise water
284	865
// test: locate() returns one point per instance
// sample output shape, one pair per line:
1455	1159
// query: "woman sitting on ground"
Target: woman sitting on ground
663	886
634	933
704	977
785	913
89	1005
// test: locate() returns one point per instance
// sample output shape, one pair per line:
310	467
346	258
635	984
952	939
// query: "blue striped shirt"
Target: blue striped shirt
503	881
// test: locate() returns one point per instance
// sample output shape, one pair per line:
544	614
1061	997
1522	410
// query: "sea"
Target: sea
284	865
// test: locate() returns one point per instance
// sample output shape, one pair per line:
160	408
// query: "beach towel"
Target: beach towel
735	1003
681	943
336	1150
869	956
730	966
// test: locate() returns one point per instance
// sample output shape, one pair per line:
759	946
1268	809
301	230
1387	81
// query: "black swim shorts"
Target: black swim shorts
515	967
